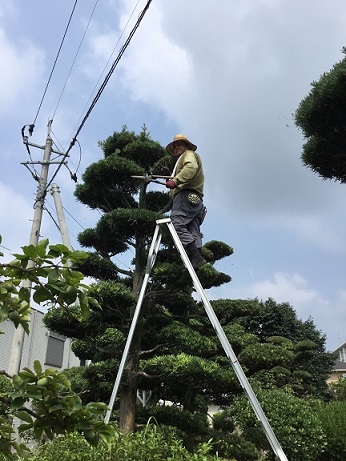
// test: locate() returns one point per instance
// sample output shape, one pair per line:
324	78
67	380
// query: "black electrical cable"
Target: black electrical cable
72	175
102	87
106	65
108	76
56	59
58	227
75	58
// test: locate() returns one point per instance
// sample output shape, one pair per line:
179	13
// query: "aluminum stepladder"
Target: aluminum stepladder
154	248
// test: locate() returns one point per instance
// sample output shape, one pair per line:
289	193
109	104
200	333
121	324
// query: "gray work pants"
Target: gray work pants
187	218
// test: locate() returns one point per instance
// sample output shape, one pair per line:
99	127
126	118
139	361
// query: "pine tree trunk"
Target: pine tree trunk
128	398
188	404
128	394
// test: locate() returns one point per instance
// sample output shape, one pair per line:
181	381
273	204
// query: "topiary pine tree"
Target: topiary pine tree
286	351
130	208
321	117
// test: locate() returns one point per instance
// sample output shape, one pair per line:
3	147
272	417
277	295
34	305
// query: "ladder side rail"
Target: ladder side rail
150	262
227	347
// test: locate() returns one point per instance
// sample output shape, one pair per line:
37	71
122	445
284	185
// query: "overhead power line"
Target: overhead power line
105	67
108	76
55	61
75	58
102	87
74	175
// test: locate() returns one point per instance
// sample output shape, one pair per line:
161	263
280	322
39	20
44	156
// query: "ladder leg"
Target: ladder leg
277	449
150	262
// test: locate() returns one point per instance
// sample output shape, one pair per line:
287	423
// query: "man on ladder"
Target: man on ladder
187	185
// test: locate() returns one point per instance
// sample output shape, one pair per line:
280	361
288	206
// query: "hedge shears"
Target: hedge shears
153	178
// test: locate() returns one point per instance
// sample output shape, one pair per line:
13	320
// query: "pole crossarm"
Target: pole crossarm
154	248
42	162
43	147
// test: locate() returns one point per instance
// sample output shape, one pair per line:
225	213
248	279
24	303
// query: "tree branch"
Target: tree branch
145	375
149	351
123	271
3	372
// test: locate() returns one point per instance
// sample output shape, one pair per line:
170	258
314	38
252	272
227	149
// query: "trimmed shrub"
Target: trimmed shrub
333	420
293	420
150	444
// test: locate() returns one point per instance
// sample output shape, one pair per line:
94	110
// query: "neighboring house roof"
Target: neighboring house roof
340	347
339	366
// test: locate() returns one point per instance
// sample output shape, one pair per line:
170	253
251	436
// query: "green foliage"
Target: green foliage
100	377
300	345
218	249
202	378
210	277
116	143
48	269
223	422
94	265
231	309
6	428
56	408
149	444
5	387
293	420
157	201
180	338
179	365
338	389
261	356
43	399
112	295
186	421
234	446
105	191
322	120
79	384
332	418
127	223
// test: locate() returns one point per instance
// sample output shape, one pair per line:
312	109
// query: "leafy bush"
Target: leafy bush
333	420
234	446
338	389
293	421
223	422
150	444
186	421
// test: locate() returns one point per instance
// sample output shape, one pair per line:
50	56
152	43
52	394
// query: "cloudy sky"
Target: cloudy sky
229	74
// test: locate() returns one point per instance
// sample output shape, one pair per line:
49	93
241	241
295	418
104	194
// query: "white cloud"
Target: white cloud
20	66
16	212
320	232
155	70
329	315
328	311
291	288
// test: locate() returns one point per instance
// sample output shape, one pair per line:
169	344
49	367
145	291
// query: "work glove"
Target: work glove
171	184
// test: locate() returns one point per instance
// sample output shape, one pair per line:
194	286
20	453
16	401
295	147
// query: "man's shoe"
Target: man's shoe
195	256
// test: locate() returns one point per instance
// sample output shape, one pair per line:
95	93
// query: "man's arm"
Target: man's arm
188	170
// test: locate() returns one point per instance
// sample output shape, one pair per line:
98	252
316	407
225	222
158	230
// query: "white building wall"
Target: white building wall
342	353
35	346
5	344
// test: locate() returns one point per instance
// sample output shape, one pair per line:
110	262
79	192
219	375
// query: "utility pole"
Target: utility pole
55	191
19	333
